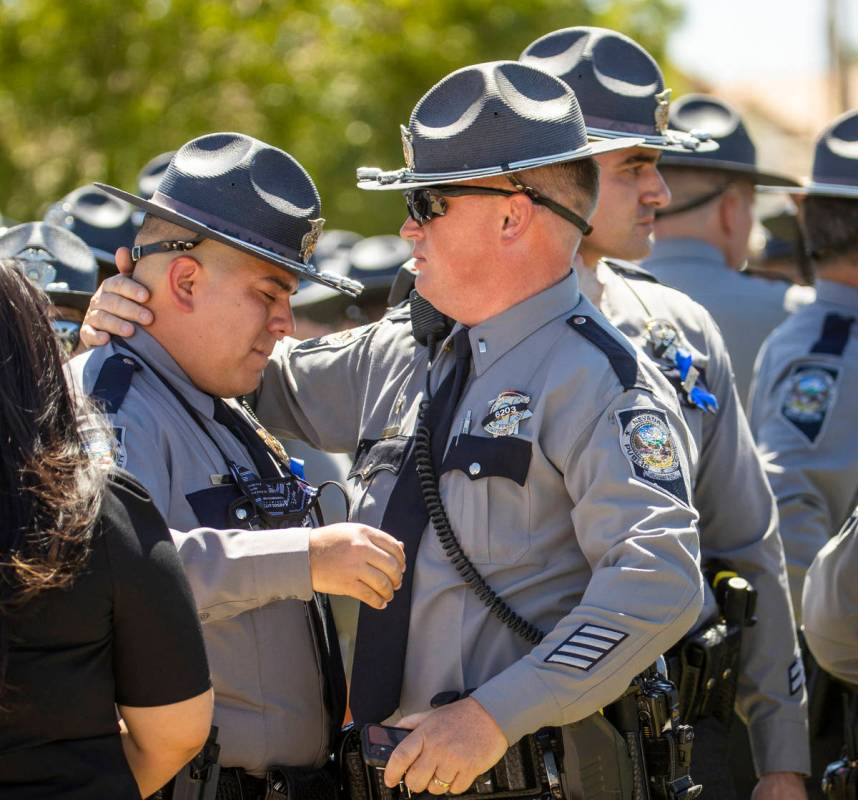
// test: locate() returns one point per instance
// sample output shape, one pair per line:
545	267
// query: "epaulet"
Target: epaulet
399	312
624	363
114	381
767	274
630	270
834	336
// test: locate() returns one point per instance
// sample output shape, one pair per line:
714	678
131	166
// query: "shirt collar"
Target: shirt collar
837	293
156	357
685	248
492	339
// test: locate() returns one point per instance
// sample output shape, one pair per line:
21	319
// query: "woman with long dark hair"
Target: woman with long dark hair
95	611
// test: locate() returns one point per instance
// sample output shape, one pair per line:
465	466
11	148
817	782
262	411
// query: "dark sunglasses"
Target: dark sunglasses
68	333
429	202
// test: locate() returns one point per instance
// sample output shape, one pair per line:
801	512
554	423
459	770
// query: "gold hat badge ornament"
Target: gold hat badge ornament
407	147
662	110
311	238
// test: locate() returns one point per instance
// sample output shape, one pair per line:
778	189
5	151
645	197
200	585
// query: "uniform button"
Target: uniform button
474	469
579	320
241	513
128	361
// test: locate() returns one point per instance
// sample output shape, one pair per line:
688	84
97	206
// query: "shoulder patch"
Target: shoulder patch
834	336
631	270
586	647
648	444
810	392
113	382
624	363
98	444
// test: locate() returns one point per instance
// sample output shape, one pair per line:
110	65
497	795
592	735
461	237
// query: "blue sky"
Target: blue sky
728	40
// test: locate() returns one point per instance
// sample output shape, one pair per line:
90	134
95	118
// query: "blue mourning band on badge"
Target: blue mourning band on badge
810	390
650	448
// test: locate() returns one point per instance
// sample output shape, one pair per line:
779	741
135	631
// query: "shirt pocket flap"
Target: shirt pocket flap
377	454
482	457
211	506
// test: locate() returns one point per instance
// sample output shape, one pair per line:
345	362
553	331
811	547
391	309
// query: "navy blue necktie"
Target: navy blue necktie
382	636
244	432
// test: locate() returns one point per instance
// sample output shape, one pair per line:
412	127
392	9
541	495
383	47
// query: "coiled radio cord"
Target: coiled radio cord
441	522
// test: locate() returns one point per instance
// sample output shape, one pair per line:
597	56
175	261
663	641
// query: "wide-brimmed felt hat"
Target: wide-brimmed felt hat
835	163
489	119
101	220
150	176
56	259
619	86
736	151
246	194
374	262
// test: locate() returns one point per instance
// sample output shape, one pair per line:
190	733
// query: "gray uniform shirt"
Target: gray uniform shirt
804	417
747	308
738	515
576	515
263	657
831	604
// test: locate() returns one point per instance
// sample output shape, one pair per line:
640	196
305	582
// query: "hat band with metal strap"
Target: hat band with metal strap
166	246
697	202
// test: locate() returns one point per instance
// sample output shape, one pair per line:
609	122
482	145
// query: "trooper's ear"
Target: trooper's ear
183	274
519	214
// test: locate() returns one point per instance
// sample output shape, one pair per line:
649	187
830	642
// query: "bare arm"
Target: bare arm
158	741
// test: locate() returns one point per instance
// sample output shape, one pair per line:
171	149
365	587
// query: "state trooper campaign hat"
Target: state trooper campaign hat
101	220
619	85
489	119
150	176
246	194
835	163
55	259
736	152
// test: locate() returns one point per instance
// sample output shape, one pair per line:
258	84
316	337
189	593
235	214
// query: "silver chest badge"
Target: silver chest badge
506	412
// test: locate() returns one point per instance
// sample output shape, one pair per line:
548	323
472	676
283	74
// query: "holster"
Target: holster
705	664
840	780
705	667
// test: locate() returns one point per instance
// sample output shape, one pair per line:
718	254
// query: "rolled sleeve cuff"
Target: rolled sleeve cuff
283	572
779	745
518	701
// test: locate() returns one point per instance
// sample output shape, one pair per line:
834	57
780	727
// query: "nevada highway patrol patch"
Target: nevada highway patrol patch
809	395
649	446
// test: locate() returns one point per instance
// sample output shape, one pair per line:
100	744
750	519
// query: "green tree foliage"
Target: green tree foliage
92	90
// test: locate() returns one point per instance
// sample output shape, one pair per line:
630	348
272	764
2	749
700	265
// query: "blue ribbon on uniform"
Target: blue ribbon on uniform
296	467
698	396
